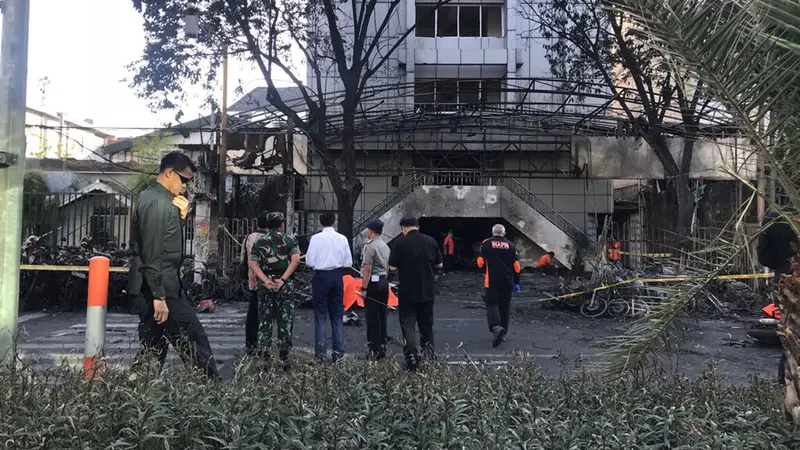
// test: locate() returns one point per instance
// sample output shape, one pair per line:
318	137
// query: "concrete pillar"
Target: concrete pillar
511	53
410	44
205	235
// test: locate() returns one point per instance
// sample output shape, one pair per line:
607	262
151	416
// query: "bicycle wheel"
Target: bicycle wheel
618	307
594	309
207	290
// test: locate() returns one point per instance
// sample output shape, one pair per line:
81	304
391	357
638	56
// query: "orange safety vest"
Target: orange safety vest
449	246
544	260
613	251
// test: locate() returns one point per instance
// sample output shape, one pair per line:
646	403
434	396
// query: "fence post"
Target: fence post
94	346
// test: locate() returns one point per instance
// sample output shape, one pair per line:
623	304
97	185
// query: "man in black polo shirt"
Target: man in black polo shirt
415	257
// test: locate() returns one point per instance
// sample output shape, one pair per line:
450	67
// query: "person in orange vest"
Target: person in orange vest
614	251
449	251
545	262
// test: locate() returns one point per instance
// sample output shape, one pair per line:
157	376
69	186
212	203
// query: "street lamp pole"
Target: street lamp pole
13	86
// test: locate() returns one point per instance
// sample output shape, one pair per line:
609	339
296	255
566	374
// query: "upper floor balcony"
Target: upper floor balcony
462	33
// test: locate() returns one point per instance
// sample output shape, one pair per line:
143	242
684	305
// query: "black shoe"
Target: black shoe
498	336
411	364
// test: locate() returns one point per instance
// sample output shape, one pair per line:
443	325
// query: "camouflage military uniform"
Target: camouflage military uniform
272	251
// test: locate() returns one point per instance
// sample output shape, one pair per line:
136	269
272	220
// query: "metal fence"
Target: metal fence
709	249
233	233
64	219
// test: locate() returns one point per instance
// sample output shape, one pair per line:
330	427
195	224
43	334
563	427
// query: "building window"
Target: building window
492	21
447	21
447	91
457	92
426	21
395	181
424	92
459	21
492	90
469	21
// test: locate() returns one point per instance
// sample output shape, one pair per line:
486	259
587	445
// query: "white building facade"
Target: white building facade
457	82
54	135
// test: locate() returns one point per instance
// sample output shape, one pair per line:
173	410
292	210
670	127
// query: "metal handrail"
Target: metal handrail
474	178
389	202
544	209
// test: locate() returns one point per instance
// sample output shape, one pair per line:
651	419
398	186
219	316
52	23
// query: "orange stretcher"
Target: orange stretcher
352	286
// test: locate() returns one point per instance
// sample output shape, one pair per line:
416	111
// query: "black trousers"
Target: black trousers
376	305
251	322
182	329
413	315
448	261
498	305
782	363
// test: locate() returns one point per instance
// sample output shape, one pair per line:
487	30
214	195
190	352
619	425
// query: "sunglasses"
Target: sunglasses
184	180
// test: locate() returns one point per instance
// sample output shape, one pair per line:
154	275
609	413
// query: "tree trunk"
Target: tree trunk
348	194
345	201
789	332
684	202
679	188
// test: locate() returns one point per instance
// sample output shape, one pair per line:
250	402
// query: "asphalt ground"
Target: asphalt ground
560	342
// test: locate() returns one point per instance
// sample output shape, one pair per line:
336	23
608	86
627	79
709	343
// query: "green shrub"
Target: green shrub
360	405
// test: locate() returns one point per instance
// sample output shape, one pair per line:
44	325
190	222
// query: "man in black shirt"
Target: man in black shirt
777	245
415	257
165	314
499	258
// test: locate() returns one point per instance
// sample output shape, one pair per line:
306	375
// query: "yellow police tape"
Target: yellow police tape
648	255
48	268
225	229
748	276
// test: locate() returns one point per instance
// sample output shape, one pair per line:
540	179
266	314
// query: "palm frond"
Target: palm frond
746	51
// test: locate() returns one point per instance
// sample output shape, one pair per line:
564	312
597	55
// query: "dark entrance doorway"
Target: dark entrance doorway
468	233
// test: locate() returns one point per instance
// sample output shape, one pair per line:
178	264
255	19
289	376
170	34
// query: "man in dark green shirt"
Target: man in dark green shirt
165	313
274	259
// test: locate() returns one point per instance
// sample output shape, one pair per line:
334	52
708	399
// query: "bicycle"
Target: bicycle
220	288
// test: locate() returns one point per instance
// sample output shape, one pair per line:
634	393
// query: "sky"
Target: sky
83	46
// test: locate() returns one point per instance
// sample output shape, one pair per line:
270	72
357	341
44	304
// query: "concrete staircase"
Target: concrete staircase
429	194
390	201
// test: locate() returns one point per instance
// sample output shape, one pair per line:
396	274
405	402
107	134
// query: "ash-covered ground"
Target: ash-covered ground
559	341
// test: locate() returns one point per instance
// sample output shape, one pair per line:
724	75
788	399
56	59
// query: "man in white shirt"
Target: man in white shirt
328	253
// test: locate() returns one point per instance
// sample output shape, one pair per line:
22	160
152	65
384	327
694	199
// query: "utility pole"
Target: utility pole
288	173
223	135
13	85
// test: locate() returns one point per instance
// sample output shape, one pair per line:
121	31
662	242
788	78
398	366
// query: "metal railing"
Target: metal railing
475	178
389	202
66	218
457	178
544	209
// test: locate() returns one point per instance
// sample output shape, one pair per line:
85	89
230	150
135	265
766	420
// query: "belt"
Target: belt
338	269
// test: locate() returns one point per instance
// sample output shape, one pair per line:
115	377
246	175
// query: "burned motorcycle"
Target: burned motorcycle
765	330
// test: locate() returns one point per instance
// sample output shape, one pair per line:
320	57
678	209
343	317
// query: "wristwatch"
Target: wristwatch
363	289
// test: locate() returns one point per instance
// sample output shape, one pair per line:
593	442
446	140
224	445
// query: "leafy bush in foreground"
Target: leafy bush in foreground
369	405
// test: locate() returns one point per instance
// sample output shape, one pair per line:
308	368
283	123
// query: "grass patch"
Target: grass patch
358	405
